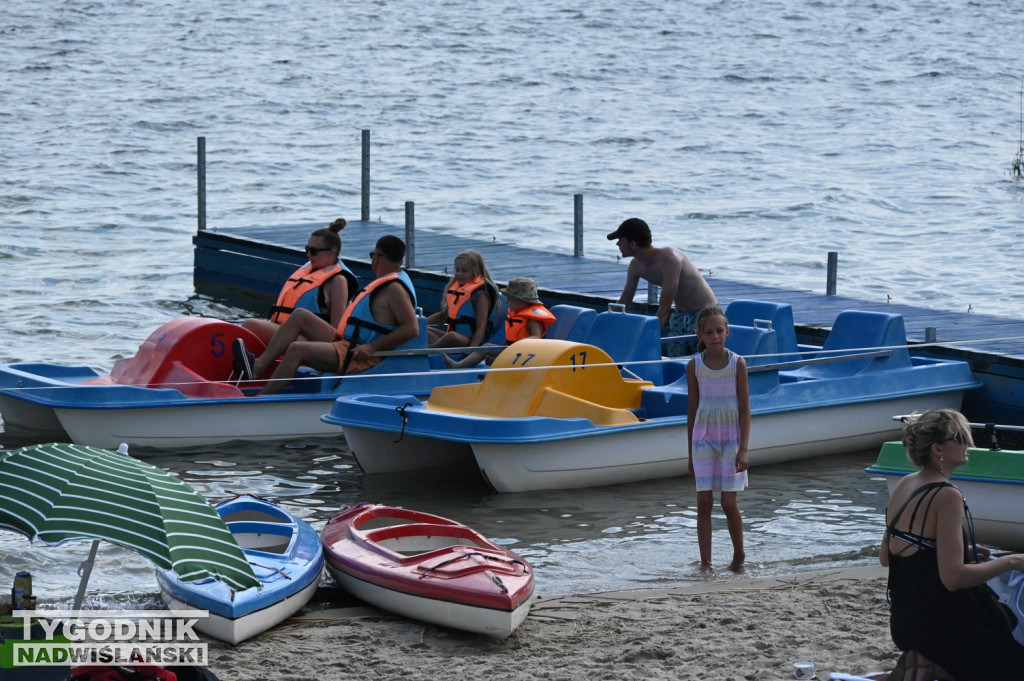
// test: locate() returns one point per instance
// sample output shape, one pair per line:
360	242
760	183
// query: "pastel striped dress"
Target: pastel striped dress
716	429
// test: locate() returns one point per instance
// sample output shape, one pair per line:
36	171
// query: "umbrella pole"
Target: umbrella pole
84	570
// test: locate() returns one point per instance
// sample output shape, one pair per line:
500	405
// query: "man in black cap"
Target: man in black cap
680	280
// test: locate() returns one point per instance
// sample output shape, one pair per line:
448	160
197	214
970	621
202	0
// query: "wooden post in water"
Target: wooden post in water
201	182
929	334
652	294
410	237
577	225
830	278
365	212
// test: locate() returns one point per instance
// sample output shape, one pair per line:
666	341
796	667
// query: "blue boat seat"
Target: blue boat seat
856	332
572	323
780	315
628	337
758	345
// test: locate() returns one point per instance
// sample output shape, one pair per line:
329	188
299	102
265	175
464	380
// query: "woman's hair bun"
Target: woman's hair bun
338	224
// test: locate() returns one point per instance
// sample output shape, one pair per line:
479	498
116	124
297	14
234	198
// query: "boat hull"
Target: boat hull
287	557
992	483
659	451
409	453
252	419
428	568
182	374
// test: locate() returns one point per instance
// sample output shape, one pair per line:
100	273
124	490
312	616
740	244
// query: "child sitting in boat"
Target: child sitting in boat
526	318
470	304
718	430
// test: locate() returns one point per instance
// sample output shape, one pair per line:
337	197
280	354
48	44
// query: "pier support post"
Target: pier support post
410	234
577	225
365	212
929	334
833	268
652	294
201	182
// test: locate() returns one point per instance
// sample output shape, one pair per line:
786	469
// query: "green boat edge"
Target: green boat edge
983	465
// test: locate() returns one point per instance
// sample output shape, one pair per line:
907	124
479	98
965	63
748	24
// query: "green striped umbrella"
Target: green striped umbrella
61	492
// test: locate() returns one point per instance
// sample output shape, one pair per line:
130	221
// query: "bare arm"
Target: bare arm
743	403
669	287
693	399
408	327
337	298
629	290
954	573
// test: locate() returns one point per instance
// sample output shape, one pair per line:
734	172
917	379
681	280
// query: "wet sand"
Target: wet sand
725	629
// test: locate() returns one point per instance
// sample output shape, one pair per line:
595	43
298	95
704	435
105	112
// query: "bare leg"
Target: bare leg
301	324
318	355
735	521
449	340
261	328
705	501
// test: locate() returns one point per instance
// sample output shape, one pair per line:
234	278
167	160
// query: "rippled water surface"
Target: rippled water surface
757	136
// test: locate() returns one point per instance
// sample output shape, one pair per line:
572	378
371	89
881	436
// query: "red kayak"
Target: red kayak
428	568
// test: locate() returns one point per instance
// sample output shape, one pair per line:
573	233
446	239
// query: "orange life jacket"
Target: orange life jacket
304	289
462	317
517	322
357	323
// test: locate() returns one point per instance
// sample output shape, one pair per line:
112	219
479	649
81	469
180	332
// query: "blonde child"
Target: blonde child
469	301
718	430
526	318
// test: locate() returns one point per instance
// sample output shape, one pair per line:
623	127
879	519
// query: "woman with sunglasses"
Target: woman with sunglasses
324	285
942	615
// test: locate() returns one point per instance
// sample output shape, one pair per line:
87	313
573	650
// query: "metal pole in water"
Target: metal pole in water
577	225
201	182
929	334
410	228
365	213
833	268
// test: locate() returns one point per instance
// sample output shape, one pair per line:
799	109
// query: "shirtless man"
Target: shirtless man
680	281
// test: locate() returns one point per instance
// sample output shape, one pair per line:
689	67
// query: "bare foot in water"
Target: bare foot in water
705	568
738	560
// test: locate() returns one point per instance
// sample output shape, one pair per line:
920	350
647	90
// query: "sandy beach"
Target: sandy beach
728	628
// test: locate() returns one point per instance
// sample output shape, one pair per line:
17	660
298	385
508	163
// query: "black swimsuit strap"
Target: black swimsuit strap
922	490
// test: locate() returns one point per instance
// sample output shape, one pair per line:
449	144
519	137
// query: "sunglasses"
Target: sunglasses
957	437
310	250
375	253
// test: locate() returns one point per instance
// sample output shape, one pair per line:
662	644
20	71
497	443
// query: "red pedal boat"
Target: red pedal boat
428	568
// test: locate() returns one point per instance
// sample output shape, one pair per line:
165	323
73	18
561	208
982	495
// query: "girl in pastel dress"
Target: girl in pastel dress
718	430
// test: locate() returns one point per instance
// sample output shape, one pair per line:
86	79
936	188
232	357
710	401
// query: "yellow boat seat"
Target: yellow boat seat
545	377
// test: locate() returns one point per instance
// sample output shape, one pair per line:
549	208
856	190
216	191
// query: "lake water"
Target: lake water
757	136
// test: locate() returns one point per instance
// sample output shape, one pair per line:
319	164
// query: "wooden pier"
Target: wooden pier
253	261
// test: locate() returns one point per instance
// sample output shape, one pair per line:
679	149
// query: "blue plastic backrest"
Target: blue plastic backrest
751	342
572	323
630	337
744	312
855	331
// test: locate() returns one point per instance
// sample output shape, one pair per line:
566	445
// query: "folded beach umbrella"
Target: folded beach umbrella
62	492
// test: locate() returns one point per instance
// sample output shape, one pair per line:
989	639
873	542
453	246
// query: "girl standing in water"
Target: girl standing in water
718	430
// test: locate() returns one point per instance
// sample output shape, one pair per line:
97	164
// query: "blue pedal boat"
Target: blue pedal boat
557	414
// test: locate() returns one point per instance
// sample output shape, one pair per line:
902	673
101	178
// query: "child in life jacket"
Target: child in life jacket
526	318
471	304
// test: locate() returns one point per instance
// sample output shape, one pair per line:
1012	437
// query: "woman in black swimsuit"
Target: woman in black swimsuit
939	606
